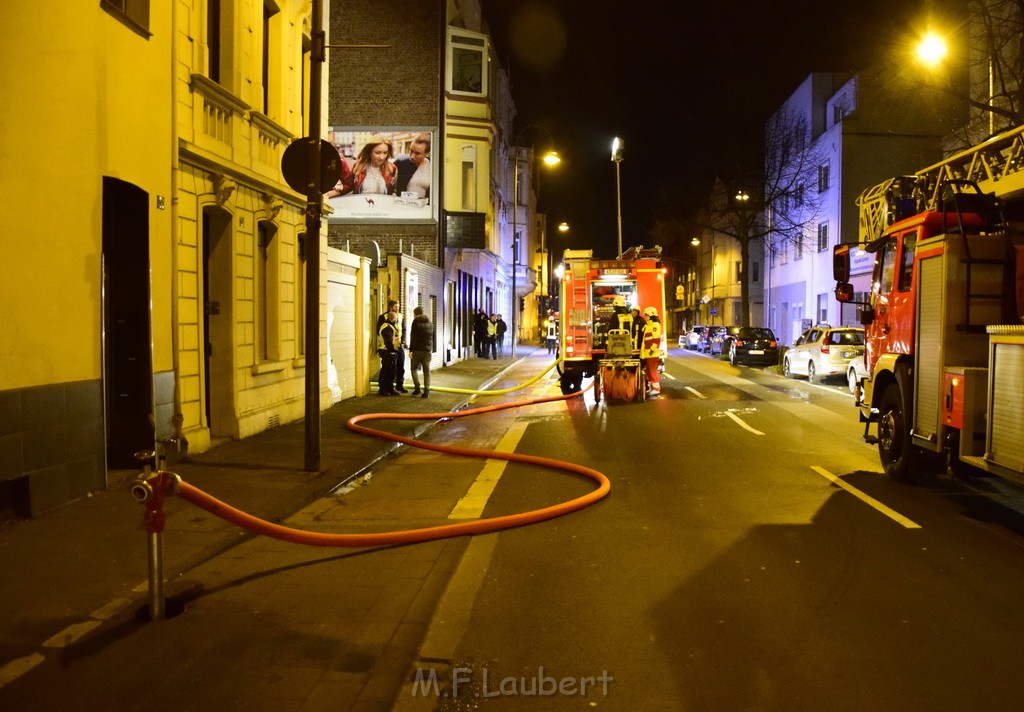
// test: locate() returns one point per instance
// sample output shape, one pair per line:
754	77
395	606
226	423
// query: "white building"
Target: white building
849	134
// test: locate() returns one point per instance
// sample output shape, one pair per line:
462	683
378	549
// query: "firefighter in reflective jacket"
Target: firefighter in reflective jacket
650	351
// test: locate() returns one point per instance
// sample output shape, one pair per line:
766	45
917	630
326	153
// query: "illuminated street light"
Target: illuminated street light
695	241
563	227
932	49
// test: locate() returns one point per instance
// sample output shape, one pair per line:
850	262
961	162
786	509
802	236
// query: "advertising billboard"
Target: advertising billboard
387	175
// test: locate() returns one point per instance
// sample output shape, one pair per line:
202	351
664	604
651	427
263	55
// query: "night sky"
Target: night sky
687	86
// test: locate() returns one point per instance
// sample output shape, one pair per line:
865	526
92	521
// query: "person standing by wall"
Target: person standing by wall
398	370
387	335
490	344
480	333
421	346
650	351
500	327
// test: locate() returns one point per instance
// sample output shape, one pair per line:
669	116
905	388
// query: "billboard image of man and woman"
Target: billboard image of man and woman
386	175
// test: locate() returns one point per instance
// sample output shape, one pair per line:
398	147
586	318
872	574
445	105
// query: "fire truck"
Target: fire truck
944	333
588	292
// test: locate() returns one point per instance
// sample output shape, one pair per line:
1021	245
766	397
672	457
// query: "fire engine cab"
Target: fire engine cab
944	328
591	293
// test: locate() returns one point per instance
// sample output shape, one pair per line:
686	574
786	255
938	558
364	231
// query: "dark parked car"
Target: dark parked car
754	345
707	339
724	339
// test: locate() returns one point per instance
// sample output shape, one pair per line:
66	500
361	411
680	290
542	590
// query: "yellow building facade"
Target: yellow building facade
152	280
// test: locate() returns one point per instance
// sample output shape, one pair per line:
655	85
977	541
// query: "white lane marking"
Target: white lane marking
742	424
471	506
70	634
695	392
669	376
16	668
867	499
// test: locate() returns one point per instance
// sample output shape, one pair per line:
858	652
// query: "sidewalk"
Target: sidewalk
69	571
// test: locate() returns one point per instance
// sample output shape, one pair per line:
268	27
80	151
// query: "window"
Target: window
838	113
267	290
798	248
823	308
822	237
823	178
887	276
755	272
133	14
738	271
469	177
907	262
467	55
214	45
270	39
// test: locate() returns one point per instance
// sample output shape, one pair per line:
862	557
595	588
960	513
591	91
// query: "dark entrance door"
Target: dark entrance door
127	350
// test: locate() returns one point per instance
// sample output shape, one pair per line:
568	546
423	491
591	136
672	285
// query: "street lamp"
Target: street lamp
550	158
617	159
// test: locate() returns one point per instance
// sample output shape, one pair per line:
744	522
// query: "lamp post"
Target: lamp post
551	158
617	159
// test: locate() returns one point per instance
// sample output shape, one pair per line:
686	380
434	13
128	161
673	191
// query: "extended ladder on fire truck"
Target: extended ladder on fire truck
991	271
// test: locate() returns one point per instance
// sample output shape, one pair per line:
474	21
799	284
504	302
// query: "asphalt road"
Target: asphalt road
751	556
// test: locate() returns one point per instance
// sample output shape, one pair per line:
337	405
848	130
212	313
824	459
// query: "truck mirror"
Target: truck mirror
844	292
867	314
841	264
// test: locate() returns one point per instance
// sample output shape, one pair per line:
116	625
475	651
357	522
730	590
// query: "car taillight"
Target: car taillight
774	344
738	342
824	348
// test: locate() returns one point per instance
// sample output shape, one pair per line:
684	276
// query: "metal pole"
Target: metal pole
618	195
515	238
314	206
157	611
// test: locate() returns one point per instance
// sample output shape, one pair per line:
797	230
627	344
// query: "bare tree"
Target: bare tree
776	207
982	77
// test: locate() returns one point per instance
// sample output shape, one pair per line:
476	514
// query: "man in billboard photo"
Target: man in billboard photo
414	169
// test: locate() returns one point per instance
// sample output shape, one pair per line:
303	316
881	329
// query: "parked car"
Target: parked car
823	351
754	345
855	373
724	339
708	338
691	339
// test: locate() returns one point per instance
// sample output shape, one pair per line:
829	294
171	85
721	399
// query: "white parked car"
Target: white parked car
823	351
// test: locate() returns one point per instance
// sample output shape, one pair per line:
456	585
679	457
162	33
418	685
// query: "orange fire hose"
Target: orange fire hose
479	526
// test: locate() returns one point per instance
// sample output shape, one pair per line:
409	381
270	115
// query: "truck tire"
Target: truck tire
565	383
894	446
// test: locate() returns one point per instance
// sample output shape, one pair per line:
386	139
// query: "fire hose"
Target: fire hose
152	487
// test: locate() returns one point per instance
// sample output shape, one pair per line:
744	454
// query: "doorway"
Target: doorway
127	324
218	370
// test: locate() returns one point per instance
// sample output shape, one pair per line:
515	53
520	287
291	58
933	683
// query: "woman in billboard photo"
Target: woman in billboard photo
373	172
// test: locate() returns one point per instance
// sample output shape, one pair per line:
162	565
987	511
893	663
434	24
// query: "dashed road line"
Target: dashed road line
867	499
743	424
16	668
695	392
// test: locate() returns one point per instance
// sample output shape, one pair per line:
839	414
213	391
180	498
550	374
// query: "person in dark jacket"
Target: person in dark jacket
421	346
399	369
500	327
387	335
480	322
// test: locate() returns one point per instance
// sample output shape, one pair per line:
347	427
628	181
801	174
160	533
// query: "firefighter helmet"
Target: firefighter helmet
619	301
650	311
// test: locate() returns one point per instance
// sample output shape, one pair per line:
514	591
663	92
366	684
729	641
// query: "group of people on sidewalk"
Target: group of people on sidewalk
489	335
391	345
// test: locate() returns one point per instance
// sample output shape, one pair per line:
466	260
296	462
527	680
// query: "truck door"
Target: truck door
892	331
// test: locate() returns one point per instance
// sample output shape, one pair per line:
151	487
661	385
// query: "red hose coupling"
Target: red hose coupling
152	490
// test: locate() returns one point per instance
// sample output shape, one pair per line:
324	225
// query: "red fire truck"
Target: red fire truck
944	338
588	292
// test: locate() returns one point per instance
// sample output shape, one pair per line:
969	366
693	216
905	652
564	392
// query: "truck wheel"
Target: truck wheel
894	446
565	383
